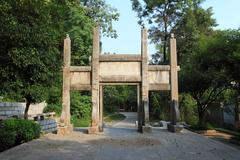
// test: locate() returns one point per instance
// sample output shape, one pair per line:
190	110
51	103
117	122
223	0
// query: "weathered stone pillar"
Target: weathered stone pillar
237	112
101	108
95	83
139	109
65	115
145	89
174	107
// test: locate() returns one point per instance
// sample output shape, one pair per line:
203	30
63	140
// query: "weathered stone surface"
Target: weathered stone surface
64	130
65	116
173	69
158	77
119	79
101	108
174	107
159	87
175	128
119	69
80	68
95	82
145	81
120	58
93	130
147	129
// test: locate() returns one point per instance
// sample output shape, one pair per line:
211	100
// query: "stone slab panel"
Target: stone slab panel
120	69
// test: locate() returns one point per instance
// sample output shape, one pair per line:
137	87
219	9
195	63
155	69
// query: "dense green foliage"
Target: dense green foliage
31	38
80	109
80	105
159	105
208	72
209	58
32	34
17	131
119	97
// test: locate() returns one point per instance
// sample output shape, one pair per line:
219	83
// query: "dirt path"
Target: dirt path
128	122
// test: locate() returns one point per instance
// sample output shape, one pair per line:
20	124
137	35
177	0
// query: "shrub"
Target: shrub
207	126
7	139
110	109
80	105
80	122
17	131
57	108
188	109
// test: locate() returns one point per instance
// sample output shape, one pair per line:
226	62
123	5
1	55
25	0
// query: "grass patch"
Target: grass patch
207	126
114	117
80	122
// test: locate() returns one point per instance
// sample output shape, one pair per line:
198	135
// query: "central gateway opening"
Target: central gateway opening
119	105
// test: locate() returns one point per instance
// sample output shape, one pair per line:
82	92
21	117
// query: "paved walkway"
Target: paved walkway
119	143
128	122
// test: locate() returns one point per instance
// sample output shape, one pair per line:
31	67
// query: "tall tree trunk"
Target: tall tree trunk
26	109
201	115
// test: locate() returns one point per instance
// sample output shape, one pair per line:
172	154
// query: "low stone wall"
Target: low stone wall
48	125
9	109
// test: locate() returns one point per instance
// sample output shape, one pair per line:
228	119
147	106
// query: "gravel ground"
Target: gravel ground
118	143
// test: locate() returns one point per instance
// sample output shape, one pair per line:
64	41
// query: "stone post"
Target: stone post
95	82
101	109
237	111
174	107
140	111
145	89
66	126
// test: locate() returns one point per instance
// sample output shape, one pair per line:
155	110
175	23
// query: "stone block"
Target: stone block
65	130
9	112
237	125
146	129
175	128
93	130
2	112
15	112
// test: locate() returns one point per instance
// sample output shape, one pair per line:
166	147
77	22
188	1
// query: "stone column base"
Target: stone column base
174	128
146	129
237	125
93	130
64	130
101	129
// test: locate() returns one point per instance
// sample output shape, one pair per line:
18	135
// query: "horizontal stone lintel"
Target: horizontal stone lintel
160	68
119	83
159	87
81	87
80	69
120	79
120	58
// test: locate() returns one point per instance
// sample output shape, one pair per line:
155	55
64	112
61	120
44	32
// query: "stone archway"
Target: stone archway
120	69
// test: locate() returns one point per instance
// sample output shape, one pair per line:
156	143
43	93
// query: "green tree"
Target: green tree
195	22
103	14
31	36
162	16
211	70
